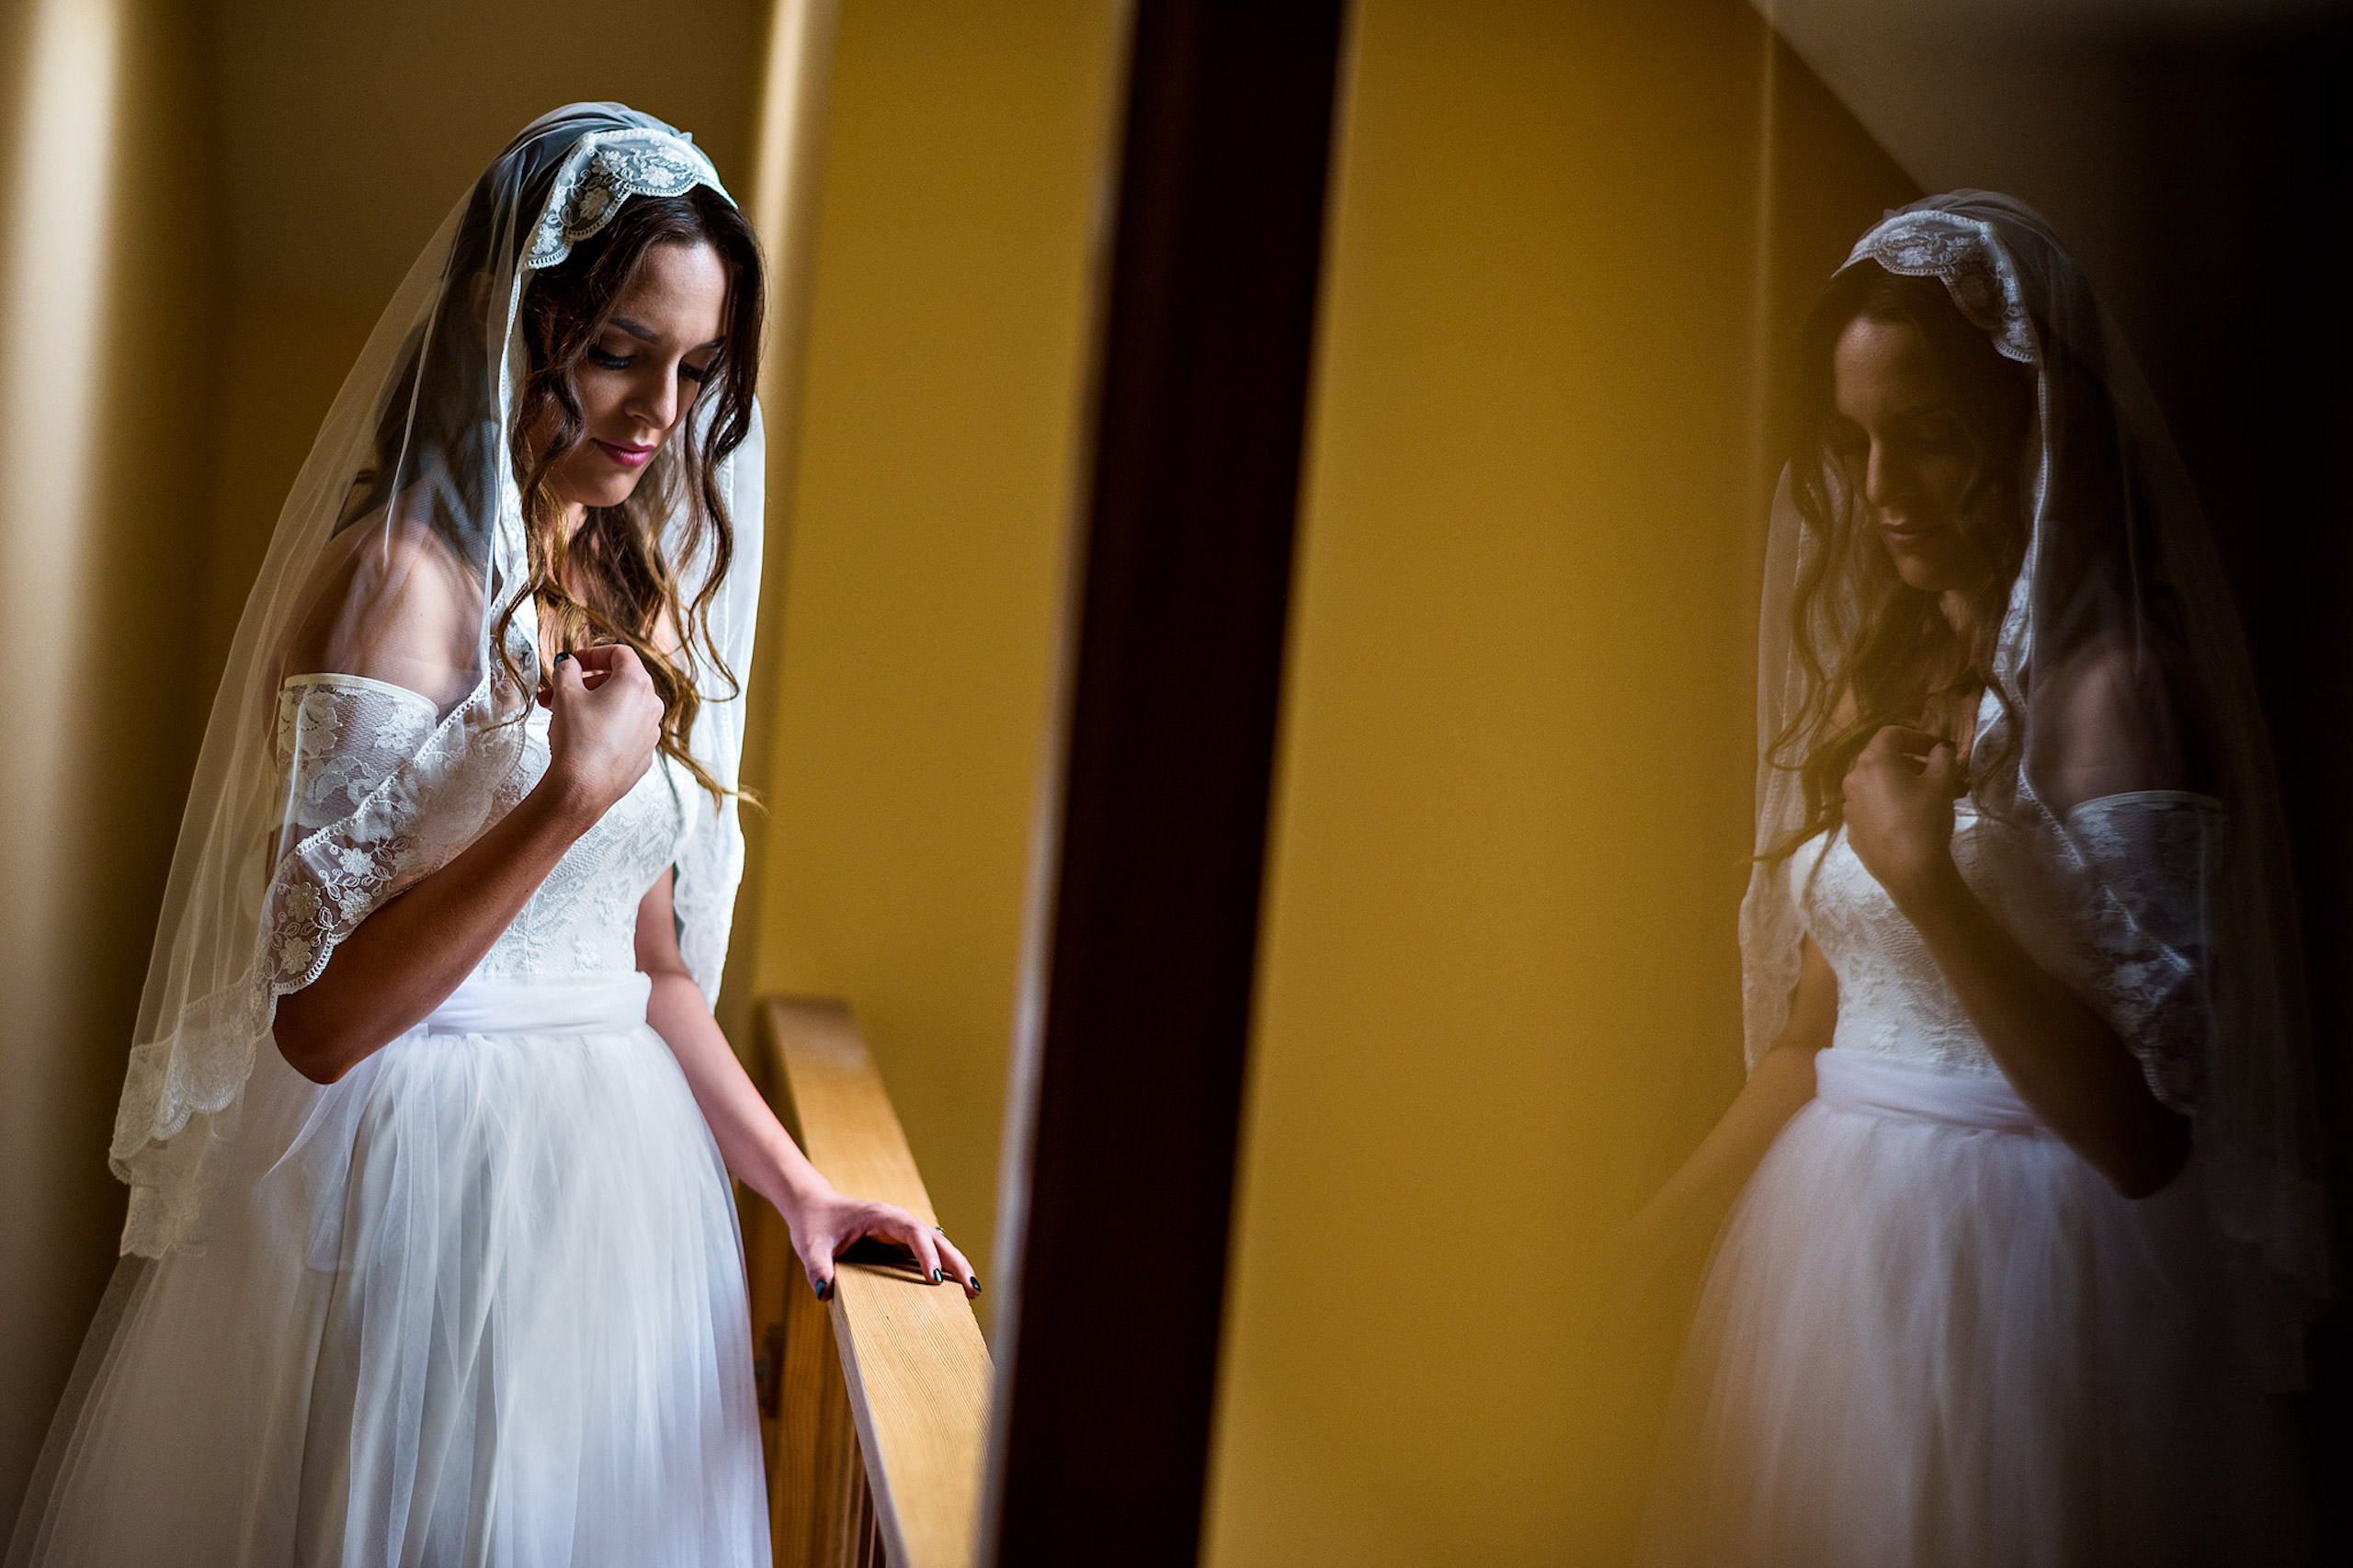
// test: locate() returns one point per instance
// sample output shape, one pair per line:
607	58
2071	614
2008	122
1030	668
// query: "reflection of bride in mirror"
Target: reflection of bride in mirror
431	1255
2019	1199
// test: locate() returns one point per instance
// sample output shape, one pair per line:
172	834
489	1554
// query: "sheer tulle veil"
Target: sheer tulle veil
2117	552
393	560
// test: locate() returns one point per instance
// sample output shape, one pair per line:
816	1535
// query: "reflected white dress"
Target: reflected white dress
481	1302
1931	1334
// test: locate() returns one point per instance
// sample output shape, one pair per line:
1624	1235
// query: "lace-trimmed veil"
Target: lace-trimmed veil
366	640
2204	988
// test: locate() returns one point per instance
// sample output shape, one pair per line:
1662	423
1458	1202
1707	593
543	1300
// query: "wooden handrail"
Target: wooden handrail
874	1450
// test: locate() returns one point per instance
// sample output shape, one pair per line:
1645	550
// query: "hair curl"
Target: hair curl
1873	651
610	580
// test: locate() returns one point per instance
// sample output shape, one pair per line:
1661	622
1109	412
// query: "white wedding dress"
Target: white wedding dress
481	1302
1931	1334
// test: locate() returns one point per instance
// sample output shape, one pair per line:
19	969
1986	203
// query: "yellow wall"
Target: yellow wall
1499	985
948	306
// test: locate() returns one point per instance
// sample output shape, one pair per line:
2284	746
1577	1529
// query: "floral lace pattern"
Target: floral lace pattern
2138	951
1976	273
2153	855
582	920
605	169
381	789
389	791
1894	1000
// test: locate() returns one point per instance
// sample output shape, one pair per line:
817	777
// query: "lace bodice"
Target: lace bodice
2137	946
343	736
583	919
1893	1000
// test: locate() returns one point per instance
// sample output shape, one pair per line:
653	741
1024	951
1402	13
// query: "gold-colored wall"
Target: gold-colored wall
1499	982
963	147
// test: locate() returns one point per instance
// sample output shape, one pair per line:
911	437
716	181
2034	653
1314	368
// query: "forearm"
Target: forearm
2060	1055
755	1146
402	961
1694	1199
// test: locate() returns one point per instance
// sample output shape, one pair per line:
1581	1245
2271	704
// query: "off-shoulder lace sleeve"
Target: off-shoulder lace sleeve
2153	855
359	758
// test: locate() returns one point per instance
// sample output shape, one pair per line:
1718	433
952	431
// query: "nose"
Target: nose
1885	480
656	399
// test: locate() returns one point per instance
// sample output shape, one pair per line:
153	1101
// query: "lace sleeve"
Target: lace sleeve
2152	854
365	765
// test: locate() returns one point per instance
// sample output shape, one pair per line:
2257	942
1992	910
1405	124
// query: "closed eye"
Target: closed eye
1936	439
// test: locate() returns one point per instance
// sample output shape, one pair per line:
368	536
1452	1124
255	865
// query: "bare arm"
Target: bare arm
408	956
753	1142
1694	1201
2060	1055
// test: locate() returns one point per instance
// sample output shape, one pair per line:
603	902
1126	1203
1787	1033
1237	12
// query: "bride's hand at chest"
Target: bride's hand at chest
605	723
401	961
1898	809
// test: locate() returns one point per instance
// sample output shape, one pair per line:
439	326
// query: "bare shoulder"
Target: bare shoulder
391	599
2110	720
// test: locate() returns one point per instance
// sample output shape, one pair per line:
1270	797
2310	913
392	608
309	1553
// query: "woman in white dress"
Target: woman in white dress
431	1256
2021	1200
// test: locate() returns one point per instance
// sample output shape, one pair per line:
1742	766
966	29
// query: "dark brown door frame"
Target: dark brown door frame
1142	941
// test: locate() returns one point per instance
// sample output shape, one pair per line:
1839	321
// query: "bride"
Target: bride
2020	1196
431	1256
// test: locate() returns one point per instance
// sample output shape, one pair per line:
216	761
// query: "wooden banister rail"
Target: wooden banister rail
874	1405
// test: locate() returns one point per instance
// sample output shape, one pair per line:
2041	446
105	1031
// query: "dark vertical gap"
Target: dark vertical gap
2245	187
1130	1064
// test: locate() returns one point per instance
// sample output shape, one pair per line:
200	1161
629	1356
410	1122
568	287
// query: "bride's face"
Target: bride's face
640	377
1906	453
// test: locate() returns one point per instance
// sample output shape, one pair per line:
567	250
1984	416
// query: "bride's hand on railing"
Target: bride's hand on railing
826	1225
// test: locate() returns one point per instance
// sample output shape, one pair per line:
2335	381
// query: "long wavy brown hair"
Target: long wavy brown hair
1872	650
609	582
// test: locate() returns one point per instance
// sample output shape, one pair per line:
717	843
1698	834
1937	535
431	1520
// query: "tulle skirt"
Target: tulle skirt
480	1302
1933	1336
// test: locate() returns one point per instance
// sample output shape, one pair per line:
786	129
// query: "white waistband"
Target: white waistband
541	1006
1858	1082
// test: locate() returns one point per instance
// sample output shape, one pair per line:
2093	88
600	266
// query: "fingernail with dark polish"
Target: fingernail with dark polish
976	1284
824	1289
565	655
938	1275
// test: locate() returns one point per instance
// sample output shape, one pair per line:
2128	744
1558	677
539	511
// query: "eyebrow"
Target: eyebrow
644	333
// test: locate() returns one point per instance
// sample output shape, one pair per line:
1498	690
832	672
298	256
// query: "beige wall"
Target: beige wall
111	326
102	523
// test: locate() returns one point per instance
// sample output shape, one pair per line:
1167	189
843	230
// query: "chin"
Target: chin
1919	572
611	493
